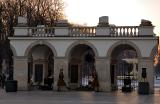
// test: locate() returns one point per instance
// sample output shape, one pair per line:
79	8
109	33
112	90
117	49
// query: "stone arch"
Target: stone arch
153	51
119	67
123	43
13	50
81	42
40	43
81	57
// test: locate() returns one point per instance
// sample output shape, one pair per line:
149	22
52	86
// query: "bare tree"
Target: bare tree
37	12
45	12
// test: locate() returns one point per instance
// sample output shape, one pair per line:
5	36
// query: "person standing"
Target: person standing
0	80
95	82
3	80
61	82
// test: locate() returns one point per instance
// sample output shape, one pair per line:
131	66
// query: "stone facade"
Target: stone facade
21	72
60	63
148	64
102	40
103	74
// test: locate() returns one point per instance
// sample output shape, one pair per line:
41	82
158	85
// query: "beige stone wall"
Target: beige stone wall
148	64
103	71
60	62
21	72
102	68
102	49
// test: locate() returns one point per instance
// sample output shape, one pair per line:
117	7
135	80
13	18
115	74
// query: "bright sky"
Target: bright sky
120	12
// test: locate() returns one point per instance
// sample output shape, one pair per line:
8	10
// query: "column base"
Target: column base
104	87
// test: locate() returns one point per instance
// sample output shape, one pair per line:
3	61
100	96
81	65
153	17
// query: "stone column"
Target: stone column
21	29
103	71
148	64
21	72
60	62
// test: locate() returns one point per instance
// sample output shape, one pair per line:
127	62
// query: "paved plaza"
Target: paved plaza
74	97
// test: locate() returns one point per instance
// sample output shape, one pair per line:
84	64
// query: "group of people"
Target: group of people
2	80
95	82
61	83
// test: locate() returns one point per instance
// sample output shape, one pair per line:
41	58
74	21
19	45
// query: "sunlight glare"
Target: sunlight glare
120	12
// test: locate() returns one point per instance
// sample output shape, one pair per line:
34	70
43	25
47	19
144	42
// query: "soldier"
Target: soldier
95	82
61	82
3	80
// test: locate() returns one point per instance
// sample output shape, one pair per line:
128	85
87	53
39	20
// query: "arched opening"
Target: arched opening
40	67
124	68
81	67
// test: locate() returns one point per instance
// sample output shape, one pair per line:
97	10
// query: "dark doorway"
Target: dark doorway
81	62
74	73
112	72
38	73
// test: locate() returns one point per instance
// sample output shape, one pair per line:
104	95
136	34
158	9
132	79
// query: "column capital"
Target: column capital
101	58
60	58
20	57
145	59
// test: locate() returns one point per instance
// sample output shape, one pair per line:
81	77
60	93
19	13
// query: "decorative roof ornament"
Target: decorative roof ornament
146	23
62	23
103	21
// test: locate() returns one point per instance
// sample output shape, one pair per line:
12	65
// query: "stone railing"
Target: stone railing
103	29
82	31
110	31
124	31
41	31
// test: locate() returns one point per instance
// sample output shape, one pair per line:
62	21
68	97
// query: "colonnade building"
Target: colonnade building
115	52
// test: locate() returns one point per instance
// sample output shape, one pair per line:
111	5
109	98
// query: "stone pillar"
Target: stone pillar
60	62
146	31
146	28
21	72
148	64
21	29
103	28
61	31
62	28
102	31
103	71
